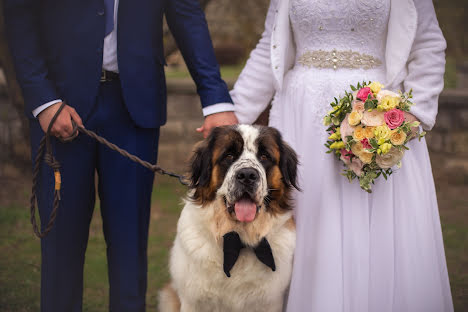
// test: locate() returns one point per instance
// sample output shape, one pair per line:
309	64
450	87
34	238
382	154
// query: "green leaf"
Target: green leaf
373	143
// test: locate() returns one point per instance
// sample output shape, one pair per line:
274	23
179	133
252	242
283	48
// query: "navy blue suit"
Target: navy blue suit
57	46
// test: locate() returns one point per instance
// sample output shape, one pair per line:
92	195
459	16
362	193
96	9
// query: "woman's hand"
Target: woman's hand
217	120
411	118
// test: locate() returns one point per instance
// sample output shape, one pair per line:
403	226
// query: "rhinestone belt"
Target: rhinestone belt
338	59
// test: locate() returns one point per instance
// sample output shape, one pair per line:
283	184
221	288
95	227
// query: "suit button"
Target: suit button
100	13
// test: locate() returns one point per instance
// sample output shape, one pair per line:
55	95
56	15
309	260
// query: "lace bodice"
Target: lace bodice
343	25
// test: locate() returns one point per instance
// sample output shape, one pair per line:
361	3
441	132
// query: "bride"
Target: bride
355	251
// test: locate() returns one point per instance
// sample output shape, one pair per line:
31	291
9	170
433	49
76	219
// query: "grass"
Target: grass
20	253
228	72
231	72
450	77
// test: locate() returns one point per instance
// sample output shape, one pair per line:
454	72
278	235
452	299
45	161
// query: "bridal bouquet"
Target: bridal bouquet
368	131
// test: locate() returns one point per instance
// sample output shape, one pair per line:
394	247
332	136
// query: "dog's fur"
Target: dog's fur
196	262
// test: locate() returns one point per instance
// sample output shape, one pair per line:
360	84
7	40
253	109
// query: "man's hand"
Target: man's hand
216	120
62	128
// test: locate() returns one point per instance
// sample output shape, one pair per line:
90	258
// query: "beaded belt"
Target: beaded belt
338	59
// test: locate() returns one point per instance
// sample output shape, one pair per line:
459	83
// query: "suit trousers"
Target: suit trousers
124	190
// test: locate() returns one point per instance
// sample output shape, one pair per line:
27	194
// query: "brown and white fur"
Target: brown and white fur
196	260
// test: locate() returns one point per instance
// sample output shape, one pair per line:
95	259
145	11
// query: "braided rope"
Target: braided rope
44	153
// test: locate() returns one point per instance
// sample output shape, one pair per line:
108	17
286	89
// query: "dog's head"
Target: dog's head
249	167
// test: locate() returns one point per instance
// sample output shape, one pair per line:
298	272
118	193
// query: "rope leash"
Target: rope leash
44	153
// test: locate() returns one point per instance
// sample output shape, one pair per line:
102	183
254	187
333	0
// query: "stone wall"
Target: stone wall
448	141
449	138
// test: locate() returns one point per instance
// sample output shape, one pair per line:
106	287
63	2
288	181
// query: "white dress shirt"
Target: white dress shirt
110	63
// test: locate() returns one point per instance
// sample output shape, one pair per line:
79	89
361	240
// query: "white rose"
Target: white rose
390	159
346	129
373	119
358	106
384	93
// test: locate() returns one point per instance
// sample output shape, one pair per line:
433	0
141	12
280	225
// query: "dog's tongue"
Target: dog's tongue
245	210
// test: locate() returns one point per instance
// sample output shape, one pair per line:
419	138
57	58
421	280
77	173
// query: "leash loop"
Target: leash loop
44	153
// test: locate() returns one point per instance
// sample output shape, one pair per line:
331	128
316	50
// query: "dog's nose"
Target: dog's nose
247	176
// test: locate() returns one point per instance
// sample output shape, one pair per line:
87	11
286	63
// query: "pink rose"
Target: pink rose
346	154
365	143
394	118
364	93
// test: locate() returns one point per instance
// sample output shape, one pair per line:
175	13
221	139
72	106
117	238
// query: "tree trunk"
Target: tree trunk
13	89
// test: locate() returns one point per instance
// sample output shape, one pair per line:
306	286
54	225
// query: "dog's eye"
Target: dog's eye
264	157
229	157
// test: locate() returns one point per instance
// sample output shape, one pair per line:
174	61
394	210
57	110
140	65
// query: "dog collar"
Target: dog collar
232	246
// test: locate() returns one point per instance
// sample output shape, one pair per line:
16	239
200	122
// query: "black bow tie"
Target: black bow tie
232	246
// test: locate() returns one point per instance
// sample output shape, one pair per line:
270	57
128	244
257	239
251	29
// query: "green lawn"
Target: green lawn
450	77
227	72
231	72
20	254
20	257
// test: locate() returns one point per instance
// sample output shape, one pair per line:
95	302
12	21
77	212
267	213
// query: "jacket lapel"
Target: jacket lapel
402	27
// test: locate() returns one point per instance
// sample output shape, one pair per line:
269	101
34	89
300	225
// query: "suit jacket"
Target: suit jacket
414	57
57	48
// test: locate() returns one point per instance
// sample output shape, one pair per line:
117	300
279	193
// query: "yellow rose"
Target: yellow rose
375	87
354	118
359	133
388	102
398	137
366	157
357	148
382	132
369	132
337	145
384	148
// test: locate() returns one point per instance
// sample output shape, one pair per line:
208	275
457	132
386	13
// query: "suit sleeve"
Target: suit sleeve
426	65
22	29
254	89
187	23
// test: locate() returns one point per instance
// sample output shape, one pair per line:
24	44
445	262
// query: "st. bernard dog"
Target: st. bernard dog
236	235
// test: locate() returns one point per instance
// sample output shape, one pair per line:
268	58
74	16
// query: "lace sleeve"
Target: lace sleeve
255	87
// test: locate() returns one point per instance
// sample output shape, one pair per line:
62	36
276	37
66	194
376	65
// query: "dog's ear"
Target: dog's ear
288	165
200	165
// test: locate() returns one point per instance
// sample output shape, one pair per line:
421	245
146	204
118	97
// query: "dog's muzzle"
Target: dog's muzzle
244	201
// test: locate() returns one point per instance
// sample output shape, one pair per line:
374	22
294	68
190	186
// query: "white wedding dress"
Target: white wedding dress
355	251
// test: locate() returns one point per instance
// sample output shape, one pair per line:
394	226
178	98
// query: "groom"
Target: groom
105	59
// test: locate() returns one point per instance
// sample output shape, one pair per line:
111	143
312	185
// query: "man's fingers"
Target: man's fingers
76	117
63	126
206	132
